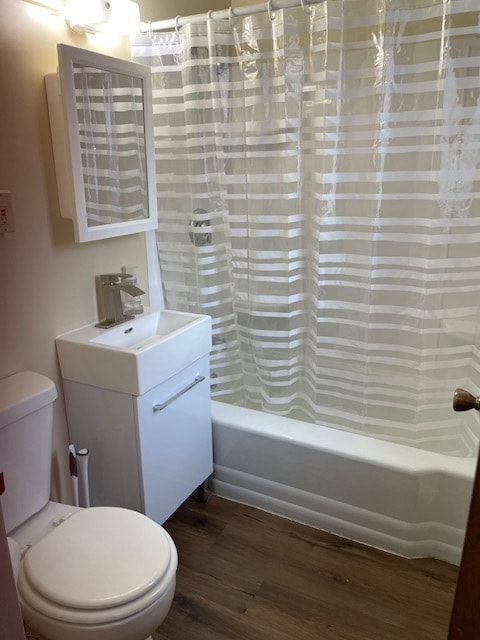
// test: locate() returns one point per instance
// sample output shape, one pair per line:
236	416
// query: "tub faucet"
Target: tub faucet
110	287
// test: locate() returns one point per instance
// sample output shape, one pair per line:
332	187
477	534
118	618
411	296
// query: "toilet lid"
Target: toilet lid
82	563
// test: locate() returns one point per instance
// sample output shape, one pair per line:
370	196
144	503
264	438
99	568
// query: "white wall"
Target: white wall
47	280
155	10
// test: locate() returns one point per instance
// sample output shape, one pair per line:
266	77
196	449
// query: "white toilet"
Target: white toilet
103	573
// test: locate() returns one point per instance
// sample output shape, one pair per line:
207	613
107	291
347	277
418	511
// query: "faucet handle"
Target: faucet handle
112	278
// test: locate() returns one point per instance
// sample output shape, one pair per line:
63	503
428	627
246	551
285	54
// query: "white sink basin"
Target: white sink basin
137	355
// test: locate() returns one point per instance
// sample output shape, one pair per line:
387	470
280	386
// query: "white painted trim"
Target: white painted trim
404	539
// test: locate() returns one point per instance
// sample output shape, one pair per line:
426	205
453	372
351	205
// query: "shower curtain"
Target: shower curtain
318	196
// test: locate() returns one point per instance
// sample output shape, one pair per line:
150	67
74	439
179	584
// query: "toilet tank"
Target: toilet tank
26	421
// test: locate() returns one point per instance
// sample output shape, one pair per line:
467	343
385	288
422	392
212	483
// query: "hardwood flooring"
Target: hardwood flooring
245	574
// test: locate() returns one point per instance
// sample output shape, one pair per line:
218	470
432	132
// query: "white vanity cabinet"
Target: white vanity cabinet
147	452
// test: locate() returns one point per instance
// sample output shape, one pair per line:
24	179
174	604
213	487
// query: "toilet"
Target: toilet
103	573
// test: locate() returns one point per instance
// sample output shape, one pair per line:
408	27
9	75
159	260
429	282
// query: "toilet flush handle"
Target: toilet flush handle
464	401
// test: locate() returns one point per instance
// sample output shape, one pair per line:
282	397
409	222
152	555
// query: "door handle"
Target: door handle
464	400
158	407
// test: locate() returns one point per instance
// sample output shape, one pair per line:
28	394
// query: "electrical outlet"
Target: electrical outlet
6	213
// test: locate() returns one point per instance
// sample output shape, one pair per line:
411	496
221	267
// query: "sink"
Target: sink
135	356
144	330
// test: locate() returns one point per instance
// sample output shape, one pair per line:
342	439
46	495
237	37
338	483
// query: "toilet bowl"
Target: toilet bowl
103	573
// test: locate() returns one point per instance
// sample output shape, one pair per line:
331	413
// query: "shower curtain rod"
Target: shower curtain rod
224	14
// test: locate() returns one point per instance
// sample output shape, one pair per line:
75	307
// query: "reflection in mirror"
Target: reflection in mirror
112	144
100	112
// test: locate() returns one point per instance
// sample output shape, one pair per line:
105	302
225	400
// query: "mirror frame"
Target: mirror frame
66	142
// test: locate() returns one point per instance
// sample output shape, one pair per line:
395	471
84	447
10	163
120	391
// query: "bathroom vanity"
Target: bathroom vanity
138	397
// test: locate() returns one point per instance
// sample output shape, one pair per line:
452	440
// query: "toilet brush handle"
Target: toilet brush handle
72	461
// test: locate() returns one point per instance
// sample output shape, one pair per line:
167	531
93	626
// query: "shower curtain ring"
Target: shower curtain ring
269	10
177	26
149	30
230	16
209	14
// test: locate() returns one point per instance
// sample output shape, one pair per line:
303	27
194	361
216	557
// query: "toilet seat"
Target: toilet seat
101	565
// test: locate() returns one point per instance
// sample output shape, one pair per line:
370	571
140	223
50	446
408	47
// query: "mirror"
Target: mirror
101	122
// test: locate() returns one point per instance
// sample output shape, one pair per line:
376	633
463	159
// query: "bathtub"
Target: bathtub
407	501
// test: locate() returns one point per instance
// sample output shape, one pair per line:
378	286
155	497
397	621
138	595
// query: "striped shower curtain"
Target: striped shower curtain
318	196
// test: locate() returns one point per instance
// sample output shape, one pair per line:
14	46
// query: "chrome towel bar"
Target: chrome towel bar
160	406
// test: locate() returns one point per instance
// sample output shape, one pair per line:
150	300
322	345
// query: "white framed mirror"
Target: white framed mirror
101	122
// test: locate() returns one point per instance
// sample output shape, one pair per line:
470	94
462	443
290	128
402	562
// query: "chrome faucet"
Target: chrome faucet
111	286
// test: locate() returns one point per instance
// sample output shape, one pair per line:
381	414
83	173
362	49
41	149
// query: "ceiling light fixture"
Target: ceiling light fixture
95	16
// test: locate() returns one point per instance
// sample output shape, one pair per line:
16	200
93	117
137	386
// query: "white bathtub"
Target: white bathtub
407	501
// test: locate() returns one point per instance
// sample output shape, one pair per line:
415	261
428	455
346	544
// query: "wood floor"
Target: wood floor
248	575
